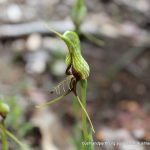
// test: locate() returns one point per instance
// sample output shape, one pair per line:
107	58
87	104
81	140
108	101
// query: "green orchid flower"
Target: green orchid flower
77	69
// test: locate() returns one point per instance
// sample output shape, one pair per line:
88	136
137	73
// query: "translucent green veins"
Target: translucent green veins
76	64
74	60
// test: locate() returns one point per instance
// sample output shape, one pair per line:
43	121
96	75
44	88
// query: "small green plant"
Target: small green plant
16	119
77	72
4	111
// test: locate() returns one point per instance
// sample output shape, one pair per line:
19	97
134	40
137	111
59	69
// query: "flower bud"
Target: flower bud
74	60
4	109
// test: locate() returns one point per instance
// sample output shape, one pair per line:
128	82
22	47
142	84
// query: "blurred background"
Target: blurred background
32	62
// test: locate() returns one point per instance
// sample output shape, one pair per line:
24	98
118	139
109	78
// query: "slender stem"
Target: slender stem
12	137
16	140
77	29
4	139
84	119
87	136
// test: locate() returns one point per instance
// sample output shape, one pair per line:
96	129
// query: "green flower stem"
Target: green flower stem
84	120
16	140
6	132
77	29
4	140
85	115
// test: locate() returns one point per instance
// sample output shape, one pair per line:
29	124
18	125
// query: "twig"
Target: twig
25	29
18	30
